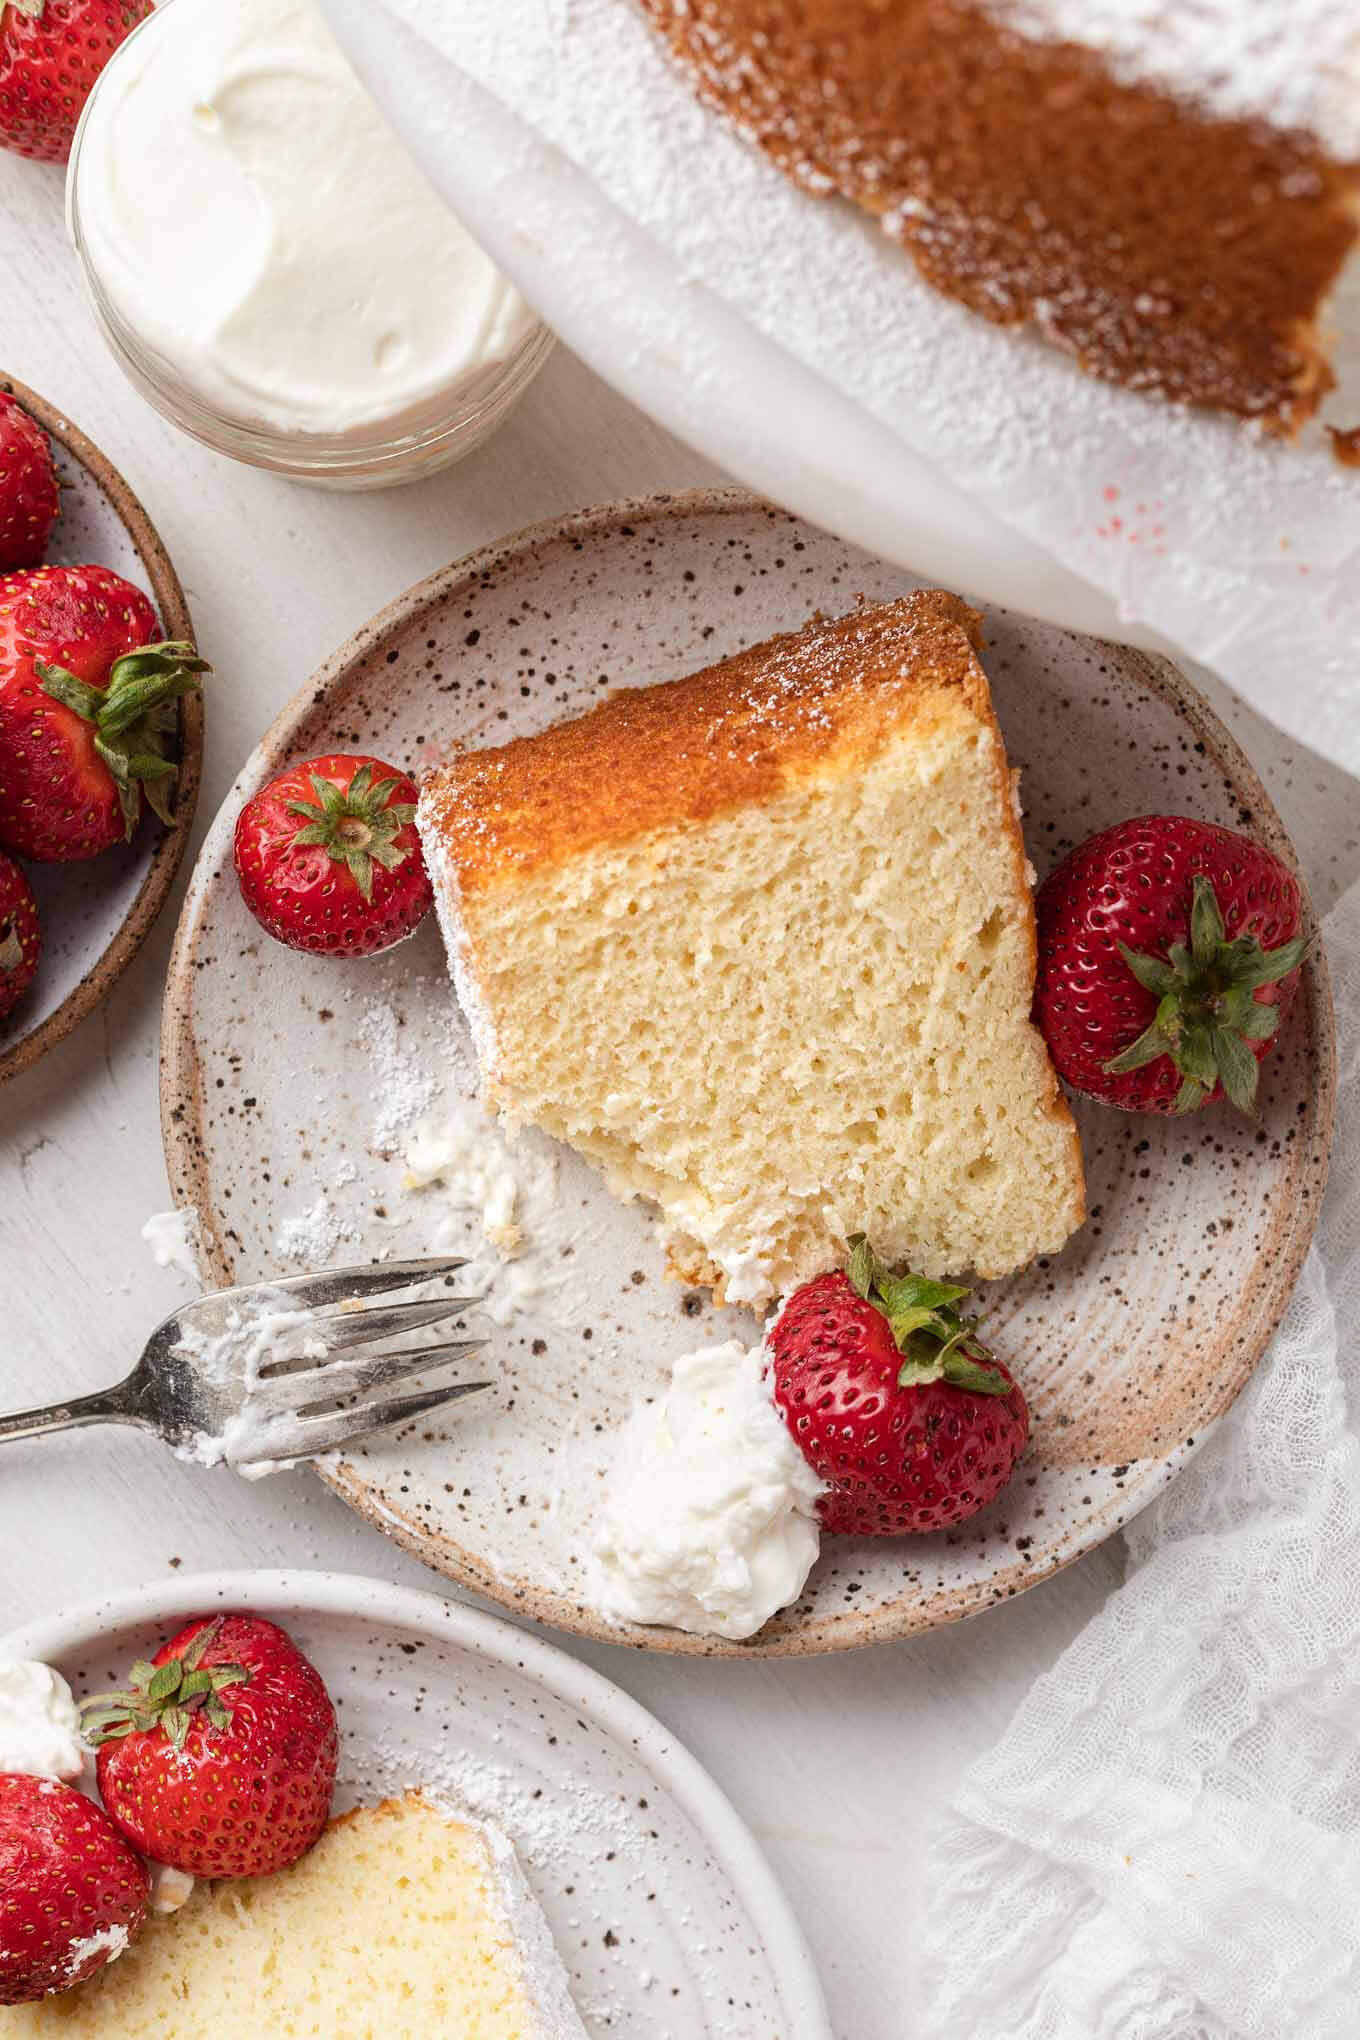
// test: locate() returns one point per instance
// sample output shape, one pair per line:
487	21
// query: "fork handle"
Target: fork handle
110	1405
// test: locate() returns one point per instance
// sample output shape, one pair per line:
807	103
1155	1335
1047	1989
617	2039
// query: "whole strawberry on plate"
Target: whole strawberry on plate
87	711
893	1399
51	52
328	858
72	1891
20	935
220	1758
1169	953
30	500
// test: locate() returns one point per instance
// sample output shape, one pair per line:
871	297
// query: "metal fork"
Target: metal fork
289	1401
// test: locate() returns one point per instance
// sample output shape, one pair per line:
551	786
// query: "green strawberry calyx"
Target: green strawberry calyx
935	1342
134	719
165	1697
358	825
1207	1010
11	948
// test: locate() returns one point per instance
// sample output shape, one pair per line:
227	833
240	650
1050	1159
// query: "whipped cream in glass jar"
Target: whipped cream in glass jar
269	265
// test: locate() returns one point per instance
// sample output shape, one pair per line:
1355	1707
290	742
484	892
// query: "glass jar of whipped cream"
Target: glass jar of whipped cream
269	266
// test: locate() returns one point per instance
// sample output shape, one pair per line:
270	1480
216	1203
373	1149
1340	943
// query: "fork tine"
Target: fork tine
327	1382
367	1278
310	1435
345	1328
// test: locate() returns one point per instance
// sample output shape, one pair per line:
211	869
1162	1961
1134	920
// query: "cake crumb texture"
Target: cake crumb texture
395	1927
759	943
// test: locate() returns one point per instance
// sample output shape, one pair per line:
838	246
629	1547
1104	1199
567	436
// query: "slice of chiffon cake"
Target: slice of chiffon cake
406	1920
760	944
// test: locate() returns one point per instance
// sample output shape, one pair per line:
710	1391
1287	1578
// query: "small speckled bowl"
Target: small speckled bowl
1131	1344
97	913
659	1900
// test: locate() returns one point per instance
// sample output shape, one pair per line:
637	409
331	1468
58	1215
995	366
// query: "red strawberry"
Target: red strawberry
1169	952
87	711
51	52
29	497
894	1400
221	1759
72	1892
329	860
20	935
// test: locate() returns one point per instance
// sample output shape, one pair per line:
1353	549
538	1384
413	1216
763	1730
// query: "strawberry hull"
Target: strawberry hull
220	1759
87	716
913	1424
328	859
1169	953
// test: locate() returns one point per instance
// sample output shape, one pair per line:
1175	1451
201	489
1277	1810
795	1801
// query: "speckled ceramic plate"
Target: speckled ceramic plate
286	1079
663	1908
96	914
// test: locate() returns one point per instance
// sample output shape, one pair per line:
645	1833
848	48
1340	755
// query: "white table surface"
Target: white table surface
837	1763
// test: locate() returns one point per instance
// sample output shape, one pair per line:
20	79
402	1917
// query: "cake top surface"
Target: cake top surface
1292	63
681	752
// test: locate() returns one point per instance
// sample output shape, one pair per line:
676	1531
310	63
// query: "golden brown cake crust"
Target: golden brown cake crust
657	757
1166	250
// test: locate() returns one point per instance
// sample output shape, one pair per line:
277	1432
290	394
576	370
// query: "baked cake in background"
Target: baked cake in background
405	1920
759	943
1167	191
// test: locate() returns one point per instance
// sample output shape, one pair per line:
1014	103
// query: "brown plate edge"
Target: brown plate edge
1287	1244
169	852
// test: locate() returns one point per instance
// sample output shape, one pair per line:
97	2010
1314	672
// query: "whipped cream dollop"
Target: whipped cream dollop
175	1240
467	1154
709	1520
251	1334
252	219
39	1722
508	1190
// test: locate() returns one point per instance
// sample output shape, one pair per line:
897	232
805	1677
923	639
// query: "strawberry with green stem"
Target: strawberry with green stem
328	858
893	1399
88	711
219	1758
1169	953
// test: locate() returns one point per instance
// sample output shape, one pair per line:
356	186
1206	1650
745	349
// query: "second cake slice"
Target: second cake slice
760	944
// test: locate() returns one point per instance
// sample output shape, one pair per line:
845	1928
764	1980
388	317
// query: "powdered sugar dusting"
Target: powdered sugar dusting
1293	63
109	1943
547	1830
311	1237
403	1090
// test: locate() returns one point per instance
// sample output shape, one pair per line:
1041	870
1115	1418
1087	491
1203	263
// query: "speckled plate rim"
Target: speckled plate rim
151	895
163	1604
183	1118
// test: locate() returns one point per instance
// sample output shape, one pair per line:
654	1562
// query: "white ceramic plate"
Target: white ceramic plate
96	913
664	1910
286	1078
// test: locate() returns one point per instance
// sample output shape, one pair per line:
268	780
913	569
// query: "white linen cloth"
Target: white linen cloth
1165	1845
